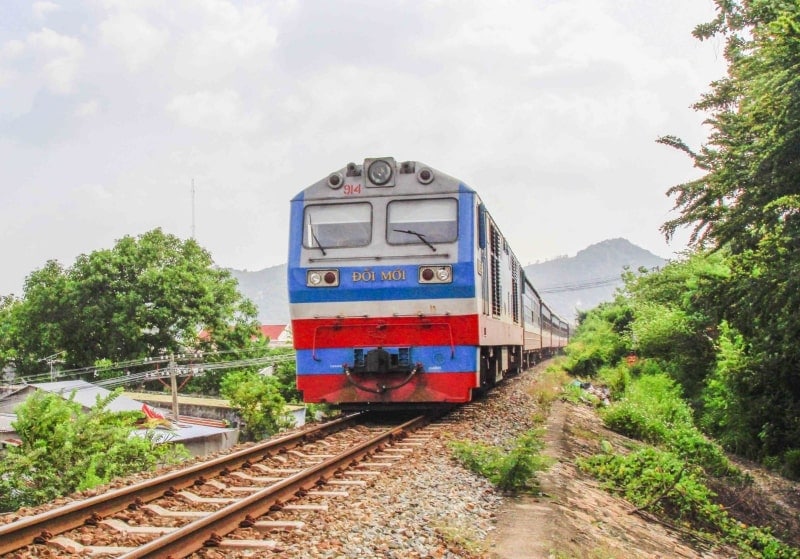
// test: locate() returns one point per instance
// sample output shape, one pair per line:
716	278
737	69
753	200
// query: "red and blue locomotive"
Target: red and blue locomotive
402	290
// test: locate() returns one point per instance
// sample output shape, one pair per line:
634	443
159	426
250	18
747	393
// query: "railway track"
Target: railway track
220	503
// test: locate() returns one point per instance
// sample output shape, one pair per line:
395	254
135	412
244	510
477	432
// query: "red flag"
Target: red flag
151	413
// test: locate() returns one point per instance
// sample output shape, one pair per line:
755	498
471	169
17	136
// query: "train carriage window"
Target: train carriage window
337	225
422	221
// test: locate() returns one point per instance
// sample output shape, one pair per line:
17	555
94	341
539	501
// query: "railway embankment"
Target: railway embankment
426	505
575	517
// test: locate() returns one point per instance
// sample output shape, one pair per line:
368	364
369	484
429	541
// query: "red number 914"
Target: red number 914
352	189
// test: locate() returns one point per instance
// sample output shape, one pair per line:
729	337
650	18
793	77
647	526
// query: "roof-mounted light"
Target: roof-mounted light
425	176
380	172
335	180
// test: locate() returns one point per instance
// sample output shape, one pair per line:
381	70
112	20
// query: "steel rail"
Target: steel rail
193	536
43	526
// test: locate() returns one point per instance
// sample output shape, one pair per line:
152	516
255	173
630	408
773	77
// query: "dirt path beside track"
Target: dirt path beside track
576	518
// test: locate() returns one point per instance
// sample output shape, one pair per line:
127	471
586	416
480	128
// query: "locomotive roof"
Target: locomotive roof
405	182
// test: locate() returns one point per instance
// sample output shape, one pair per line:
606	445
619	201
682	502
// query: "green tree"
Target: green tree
676	315
65	449
35	322
8	351
154	293
748	205
258	400
286	375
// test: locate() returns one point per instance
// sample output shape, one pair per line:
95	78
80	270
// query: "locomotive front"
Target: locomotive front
381	279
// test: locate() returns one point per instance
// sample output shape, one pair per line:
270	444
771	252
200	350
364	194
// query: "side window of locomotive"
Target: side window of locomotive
422	221
337	225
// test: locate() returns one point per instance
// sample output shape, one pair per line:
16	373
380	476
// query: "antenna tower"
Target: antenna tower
193	238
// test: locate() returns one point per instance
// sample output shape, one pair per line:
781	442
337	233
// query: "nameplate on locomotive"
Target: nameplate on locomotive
383	275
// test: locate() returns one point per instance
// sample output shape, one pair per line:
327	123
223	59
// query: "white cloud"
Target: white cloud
12	49
89	108
97	192
549	109
62	56
42	9
136	39
220	111
225	40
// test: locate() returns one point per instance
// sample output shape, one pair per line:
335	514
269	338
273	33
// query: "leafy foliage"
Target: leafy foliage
671	479
65	449
258	400
603	338
510	470
674	321
747	206
146	295
652	410
670	486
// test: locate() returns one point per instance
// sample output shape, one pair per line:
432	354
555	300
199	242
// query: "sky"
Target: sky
110	110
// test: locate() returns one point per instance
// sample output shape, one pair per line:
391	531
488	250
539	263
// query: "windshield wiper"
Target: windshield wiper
314	236
420	236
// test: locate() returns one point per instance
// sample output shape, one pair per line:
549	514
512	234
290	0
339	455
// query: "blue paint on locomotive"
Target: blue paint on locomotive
435	359
355	285
352	285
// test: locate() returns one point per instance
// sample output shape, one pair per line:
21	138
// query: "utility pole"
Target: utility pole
51	360
173	380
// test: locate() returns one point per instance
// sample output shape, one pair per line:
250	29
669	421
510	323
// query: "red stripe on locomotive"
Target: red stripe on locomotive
319	333
438	387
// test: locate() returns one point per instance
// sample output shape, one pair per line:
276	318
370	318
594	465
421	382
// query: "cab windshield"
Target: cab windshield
422	221
337	226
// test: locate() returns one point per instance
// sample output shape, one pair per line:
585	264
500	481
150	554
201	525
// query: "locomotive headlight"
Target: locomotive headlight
322	278
435	274
379	172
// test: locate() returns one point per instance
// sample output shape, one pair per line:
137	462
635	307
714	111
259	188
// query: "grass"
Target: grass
671	478
459	537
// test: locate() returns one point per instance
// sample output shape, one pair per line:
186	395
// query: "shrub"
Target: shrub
596	344
511	470
667	484
653	411
65	449
649	408
616	378
791	464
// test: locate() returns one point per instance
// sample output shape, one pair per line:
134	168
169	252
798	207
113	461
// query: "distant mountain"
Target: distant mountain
566	284
581	282
267	289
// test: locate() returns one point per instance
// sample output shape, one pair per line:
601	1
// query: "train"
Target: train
404	292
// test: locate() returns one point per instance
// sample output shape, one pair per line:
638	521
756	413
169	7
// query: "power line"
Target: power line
579	286
188	359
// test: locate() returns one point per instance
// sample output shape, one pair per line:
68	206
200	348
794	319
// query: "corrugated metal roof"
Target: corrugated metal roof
86	394
183	432
5	422
182	399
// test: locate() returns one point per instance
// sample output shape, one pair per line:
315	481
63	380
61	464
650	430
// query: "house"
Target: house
279	334
86	394
199	438
7	434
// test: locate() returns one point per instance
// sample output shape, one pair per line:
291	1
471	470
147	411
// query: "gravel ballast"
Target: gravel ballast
428	505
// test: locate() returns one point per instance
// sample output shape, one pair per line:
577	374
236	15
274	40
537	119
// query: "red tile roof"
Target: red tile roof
272	331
